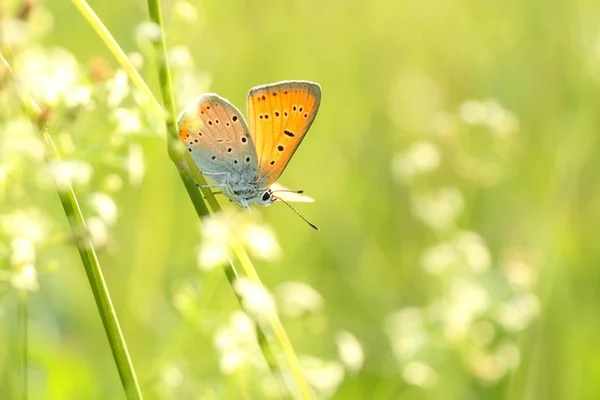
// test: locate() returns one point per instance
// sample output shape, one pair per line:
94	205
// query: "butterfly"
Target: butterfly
244	160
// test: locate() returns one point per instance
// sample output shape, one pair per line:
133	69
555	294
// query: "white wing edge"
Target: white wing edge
289	194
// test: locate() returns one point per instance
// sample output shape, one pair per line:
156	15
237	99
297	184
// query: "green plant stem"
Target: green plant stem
23	342
96	279
88	255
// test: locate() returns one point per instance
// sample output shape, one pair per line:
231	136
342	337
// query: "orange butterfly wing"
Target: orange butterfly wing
279	115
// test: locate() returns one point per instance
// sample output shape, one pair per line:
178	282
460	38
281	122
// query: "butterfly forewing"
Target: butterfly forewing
216	135
279	115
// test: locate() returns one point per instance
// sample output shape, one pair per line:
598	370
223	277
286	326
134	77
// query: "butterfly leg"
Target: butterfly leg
217	185
222	185
225	187
246	205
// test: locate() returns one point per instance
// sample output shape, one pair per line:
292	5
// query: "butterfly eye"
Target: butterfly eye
266	196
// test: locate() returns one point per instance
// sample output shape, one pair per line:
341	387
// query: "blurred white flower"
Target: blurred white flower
466	301
134	164
112	183
438	209
212	254
481	136
180	57
444	124
25	278
22	252
189	83
27	224
136	59
14	31
297	298
222	231
440	258
20	140
324	376
350	351
105	207
261	242
172	377
421	157
217	234
237	345
466	252
148	31
520	274
98	231
118	88
504	123
3	176
492	366
22	259
48	75
489	113
509	355
473	249
255	297
128	121
419	374
486	366
80	96
74	172
473	112
516	314
186	11
406	332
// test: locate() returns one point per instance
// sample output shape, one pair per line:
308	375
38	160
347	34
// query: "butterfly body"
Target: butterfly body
243	189
245	160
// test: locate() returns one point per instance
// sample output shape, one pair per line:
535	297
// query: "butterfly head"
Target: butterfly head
245	198
266	198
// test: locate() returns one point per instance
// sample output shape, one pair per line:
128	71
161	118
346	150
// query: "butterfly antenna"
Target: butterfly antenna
288	191
300	215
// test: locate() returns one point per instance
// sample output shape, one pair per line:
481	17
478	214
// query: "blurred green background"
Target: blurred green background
454	162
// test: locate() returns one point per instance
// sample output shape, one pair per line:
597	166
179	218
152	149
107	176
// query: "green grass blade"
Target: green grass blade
23	342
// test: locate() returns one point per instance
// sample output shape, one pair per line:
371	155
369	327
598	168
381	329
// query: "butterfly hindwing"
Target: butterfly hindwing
279	116
216	135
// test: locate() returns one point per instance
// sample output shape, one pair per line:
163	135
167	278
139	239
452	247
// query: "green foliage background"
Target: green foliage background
387	70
